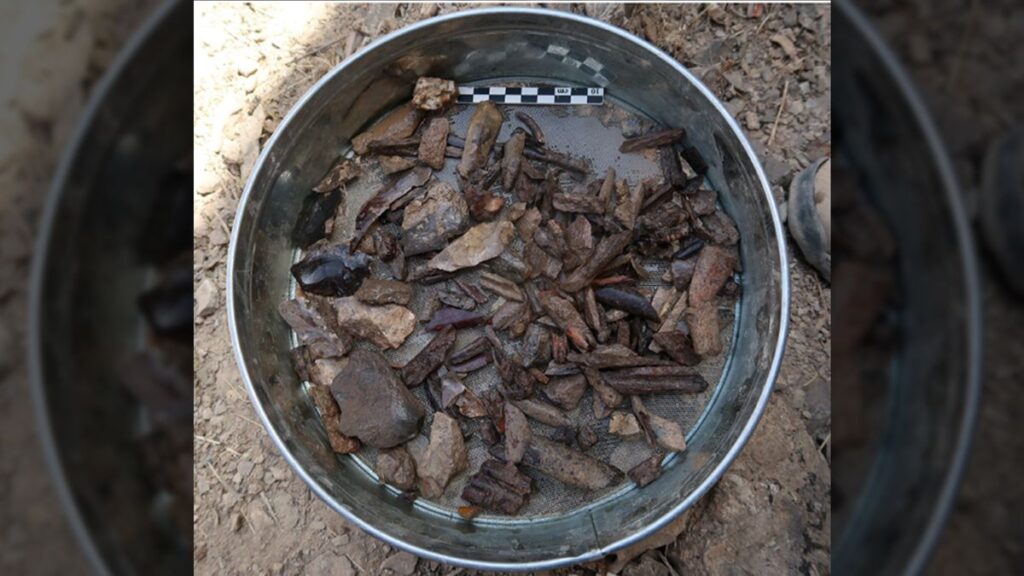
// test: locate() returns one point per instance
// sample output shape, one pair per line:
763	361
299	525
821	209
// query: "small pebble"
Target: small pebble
247	68
399	564
753	122
206	298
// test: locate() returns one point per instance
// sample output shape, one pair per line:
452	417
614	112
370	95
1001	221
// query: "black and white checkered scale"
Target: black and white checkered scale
546	94
530	95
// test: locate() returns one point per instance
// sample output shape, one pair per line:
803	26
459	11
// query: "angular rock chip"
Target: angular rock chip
397	124
623	424
472	290
429	358
399	147
527	224
432	219
668	434
719	229
678	346
568	319
653	140
323	371
396	467
386	326
714	266
434	93
330	415
376	291
316	329
586	437
376	406
704	329
703	201
655	380
568	466
670	319
536	346
609	396
444	458
475	347
301	362
577	203
484	205
549	156
607	192
470	405
682	272
394	164
340	174
481	243
382	201
535	131
512	160
517	433
433	142
542	263
331	270
454	317
454	300
507	314
606	250
566	391
499	487
451	389
472	365
543	412
630	202
480	136
670	167
501	286
691	248
580	240
551	238
646	472
615	356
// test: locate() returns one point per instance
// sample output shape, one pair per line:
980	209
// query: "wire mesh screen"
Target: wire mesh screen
593	134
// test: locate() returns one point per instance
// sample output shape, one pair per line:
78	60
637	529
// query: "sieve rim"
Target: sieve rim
744	435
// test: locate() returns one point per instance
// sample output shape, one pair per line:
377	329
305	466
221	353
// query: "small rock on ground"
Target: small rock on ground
206	298
399	564
330	564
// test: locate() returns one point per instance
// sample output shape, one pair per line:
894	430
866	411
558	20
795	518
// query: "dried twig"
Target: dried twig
356	564
218	443
270	509
825	442
249	420
233	491
664	560
782	105
315	50
223	223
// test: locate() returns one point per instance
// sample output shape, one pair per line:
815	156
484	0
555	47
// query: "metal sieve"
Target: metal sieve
501	46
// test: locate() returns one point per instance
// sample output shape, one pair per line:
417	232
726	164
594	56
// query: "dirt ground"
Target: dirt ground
769	514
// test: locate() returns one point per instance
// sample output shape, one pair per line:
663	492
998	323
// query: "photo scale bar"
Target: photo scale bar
530	95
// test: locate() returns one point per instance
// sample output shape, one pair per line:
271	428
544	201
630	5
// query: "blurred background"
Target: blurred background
964	59
95	327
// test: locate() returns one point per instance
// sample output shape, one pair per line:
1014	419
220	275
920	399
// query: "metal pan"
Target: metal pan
502	45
